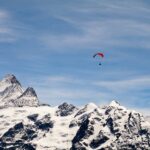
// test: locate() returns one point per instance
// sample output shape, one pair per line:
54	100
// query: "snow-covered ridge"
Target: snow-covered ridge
67	127
12	93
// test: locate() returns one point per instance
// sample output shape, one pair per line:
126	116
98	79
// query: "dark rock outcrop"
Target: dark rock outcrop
65	109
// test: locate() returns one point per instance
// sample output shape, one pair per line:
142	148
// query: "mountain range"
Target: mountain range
27	125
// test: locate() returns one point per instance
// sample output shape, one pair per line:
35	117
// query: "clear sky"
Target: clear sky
49	44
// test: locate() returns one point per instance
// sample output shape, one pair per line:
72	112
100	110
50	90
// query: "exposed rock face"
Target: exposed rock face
84	132
33	117
21	135
12	93
66	109
99	140
45	123
10	88
28	98
17	136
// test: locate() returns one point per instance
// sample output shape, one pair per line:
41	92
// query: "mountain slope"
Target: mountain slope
111	127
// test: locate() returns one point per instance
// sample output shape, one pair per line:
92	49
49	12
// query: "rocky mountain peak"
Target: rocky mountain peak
11	79
28	98
90	106
65	109
29	92
114	103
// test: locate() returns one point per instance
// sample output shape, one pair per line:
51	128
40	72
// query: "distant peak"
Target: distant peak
29	92
65	109
10	78
65	105
114	103
91	106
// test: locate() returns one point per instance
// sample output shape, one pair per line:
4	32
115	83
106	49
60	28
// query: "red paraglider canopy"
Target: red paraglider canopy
99	54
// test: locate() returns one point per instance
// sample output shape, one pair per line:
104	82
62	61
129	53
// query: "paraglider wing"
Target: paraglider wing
98	54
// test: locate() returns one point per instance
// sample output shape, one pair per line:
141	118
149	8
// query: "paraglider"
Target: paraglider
101	55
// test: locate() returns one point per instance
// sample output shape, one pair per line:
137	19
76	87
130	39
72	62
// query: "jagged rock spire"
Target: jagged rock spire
29	92
10	78
12	94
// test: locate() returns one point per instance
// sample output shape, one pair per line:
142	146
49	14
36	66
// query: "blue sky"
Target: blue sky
49	45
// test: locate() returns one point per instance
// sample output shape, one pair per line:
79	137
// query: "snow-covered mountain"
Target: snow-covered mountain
66	127
12	93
